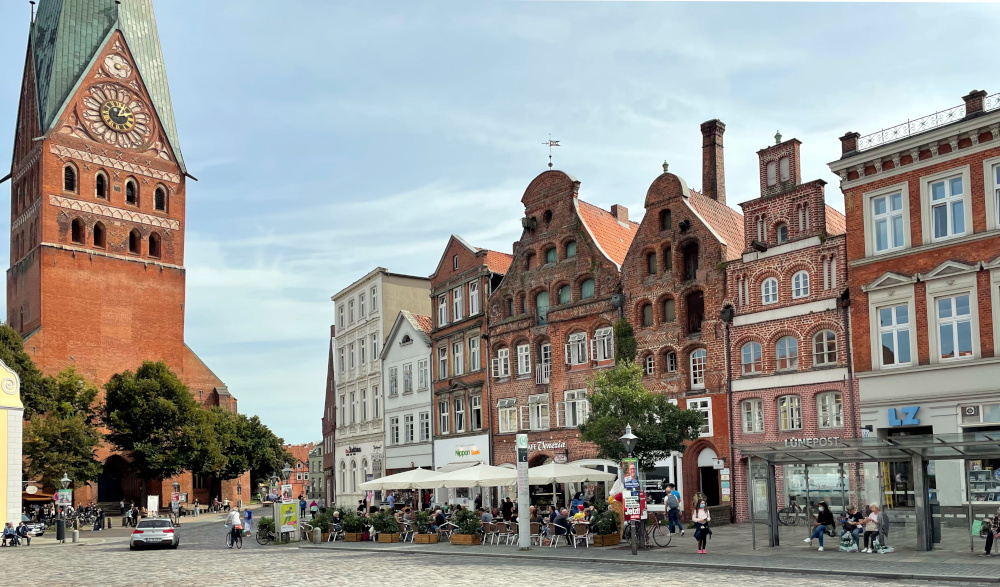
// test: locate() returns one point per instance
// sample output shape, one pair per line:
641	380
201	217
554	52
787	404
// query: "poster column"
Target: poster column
286	519
523	502
630	499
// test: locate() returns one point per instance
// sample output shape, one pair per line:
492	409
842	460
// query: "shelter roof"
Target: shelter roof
968	445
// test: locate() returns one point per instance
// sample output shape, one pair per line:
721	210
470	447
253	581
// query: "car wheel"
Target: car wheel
174	546
131	547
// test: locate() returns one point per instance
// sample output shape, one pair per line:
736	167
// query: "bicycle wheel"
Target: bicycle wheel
239	541
229	540
263	537
661	535
787	517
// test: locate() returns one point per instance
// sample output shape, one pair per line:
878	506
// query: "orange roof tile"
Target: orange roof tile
498	262
835	221
424	322
300	452
725	221
612	236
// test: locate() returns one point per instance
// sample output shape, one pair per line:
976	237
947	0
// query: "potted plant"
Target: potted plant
353	525
322	521
605	527
424	535
467	531
386	526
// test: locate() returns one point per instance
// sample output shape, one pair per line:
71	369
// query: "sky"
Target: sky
329	138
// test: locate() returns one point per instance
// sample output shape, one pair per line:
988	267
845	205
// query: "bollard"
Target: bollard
317	535
76	536
107	523
61	530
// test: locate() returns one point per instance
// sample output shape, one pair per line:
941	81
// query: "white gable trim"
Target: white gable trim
889	280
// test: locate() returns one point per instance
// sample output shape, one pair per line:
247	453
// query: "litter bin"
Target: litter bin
61	530
935	520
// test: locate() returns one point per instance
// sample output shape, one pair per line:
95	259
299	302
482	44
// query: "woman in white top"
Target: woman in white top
871	528
701	519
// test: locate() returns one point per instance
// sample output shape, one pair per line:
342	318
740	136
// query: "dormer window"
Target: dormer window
406	339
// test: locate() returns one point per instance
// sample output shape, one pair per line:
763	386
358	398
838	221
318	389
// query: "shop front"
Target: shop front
451	454
359	462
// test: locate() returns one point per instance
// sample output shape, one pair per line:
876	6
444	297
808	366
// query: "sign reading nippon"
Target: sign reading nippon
464	451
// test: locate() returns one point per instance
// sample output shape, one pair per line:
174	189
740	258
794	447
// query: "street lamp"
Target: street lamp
286	473
629	441
65	481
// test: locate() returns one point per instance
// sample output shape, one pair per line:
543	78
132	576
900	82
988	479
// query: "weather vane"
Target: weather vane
551	144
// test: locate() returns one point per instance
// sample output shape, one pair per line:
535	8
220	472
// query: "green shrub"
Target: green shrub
423	521
385	523
467	522
352	522
605	522
266	523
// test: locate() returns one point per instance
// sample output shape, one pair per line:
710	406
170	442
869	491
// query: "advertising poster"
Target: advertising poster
630	493
287	517
286	493
153	504
64	497
175	499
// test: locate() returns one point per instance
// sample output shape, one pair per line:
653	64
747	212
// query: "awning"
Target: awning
38	497
457	466
930	447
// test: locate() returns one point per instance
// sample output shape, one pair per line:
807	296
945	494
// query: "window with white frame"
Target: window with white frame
825	348
351	355
894	334
995	195
342	417
458	357
340	316
830	409
343	361
354	408
501	364
454	262
473	298
787	353
442	363
364	405
888	222
474	361
751	362
698	360
350	312
393	381
671	362
361	352
361	305
443	420
649	364
604	344
576	349
425	426
376	403
506	416
456	304
408	429
423	374
374	346
577	408
954	325
800	284
704	406
459	414
476	412
374	299
753	415
544	362
789	413
408	378
523	359
538	411
781	233
442	309
947	207
769	291
394	430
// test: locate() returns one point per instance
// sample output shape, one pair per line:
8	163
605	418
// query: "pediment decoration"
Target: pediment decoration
949	269
994	264
889	280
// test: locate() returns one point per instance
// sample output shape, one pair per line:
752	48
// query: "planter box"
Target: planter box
425	538
325	536
467	539
606	539
388	537
352	537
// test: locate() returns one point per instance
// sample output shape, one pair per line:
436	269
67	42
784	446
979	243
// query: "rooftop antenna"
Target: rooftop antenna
551	144
32	2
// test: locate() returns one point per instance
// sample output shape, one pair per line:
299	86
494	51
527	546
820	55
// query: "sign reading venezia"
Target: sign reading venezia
542	445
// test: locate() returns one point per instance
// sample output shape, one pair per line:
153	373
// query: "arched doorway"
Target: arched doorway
708	475
117	481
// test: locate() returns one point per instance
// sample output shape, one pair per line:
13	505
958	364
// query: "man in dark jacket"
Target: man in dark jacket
507	509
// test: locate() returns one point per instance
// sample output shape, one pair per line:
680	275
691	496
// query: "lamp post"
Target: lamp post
175	508
286	474
629	441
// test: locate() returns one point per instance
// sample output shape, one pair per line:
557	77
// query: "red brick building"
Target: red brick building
789	347
550	321
675	285
460	287
97	278
299	477
329	422
923	244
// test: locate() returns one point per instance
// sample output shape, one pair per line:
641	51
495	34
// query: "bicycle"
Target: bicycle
790	514
264	536
657	532
235	538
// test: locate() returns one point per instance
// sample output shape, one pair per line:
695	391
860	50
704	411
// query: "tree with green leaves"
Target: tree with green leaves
247	445
33	388
625	345
617	398
151	416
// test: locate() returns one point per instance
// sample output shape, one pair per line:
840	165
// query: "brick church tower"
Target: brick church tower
96	278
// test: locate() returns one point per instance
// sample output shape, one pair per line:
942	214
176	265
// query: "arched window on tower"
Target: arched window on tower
154	245
100	236
133	242
77	231
69	179
160	199
101	186
131	193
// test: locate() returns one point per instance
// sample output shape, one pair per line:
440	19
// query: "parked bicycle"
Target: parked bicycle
657	532
264	536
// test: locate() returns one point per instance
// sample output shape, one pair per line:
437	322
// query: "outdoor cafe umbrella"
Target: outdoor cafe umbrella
412	479
552	473
478	476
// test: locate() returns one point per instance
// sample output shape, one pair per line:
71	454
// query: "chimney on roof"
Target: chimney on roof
849	143
620	212
713	170
974	103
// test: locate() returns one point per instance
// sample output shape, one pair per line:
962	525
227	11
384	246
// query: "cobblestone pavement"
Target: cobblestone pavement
104	560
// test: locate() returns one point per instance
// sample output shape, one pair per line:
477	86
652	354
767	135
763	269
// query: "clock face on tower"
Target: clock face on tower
117	116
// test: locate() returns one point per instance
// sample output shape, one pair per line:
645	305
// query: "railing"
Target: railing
543	372
912	127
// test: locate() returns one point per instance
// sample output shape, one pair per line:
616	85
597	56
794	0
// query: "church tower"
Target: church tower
98	188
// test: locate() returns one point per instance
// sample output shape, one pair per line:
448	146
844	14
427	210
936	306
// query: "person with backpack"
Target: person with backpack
673	503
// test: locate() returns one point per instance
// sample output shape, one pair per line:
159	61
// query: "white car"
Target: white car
154	532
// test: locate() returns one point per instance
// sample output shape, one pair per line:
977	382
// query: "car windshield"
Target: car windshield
154	524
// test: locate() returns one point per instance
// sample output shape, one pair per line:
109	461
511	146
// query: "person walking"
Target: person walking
302	508
824	522
673	503
701	521
247	519
871	528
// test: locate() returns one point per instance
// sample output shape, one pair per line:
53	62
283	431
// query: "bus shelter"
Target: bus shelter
918	450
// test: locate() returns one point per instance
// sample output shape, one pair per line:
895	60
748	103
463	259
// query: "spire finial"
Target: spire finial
665	166
32	2
777	137
551	144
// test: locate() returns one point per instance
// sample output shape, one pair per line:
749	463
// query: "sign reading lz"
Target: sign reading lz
909	416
